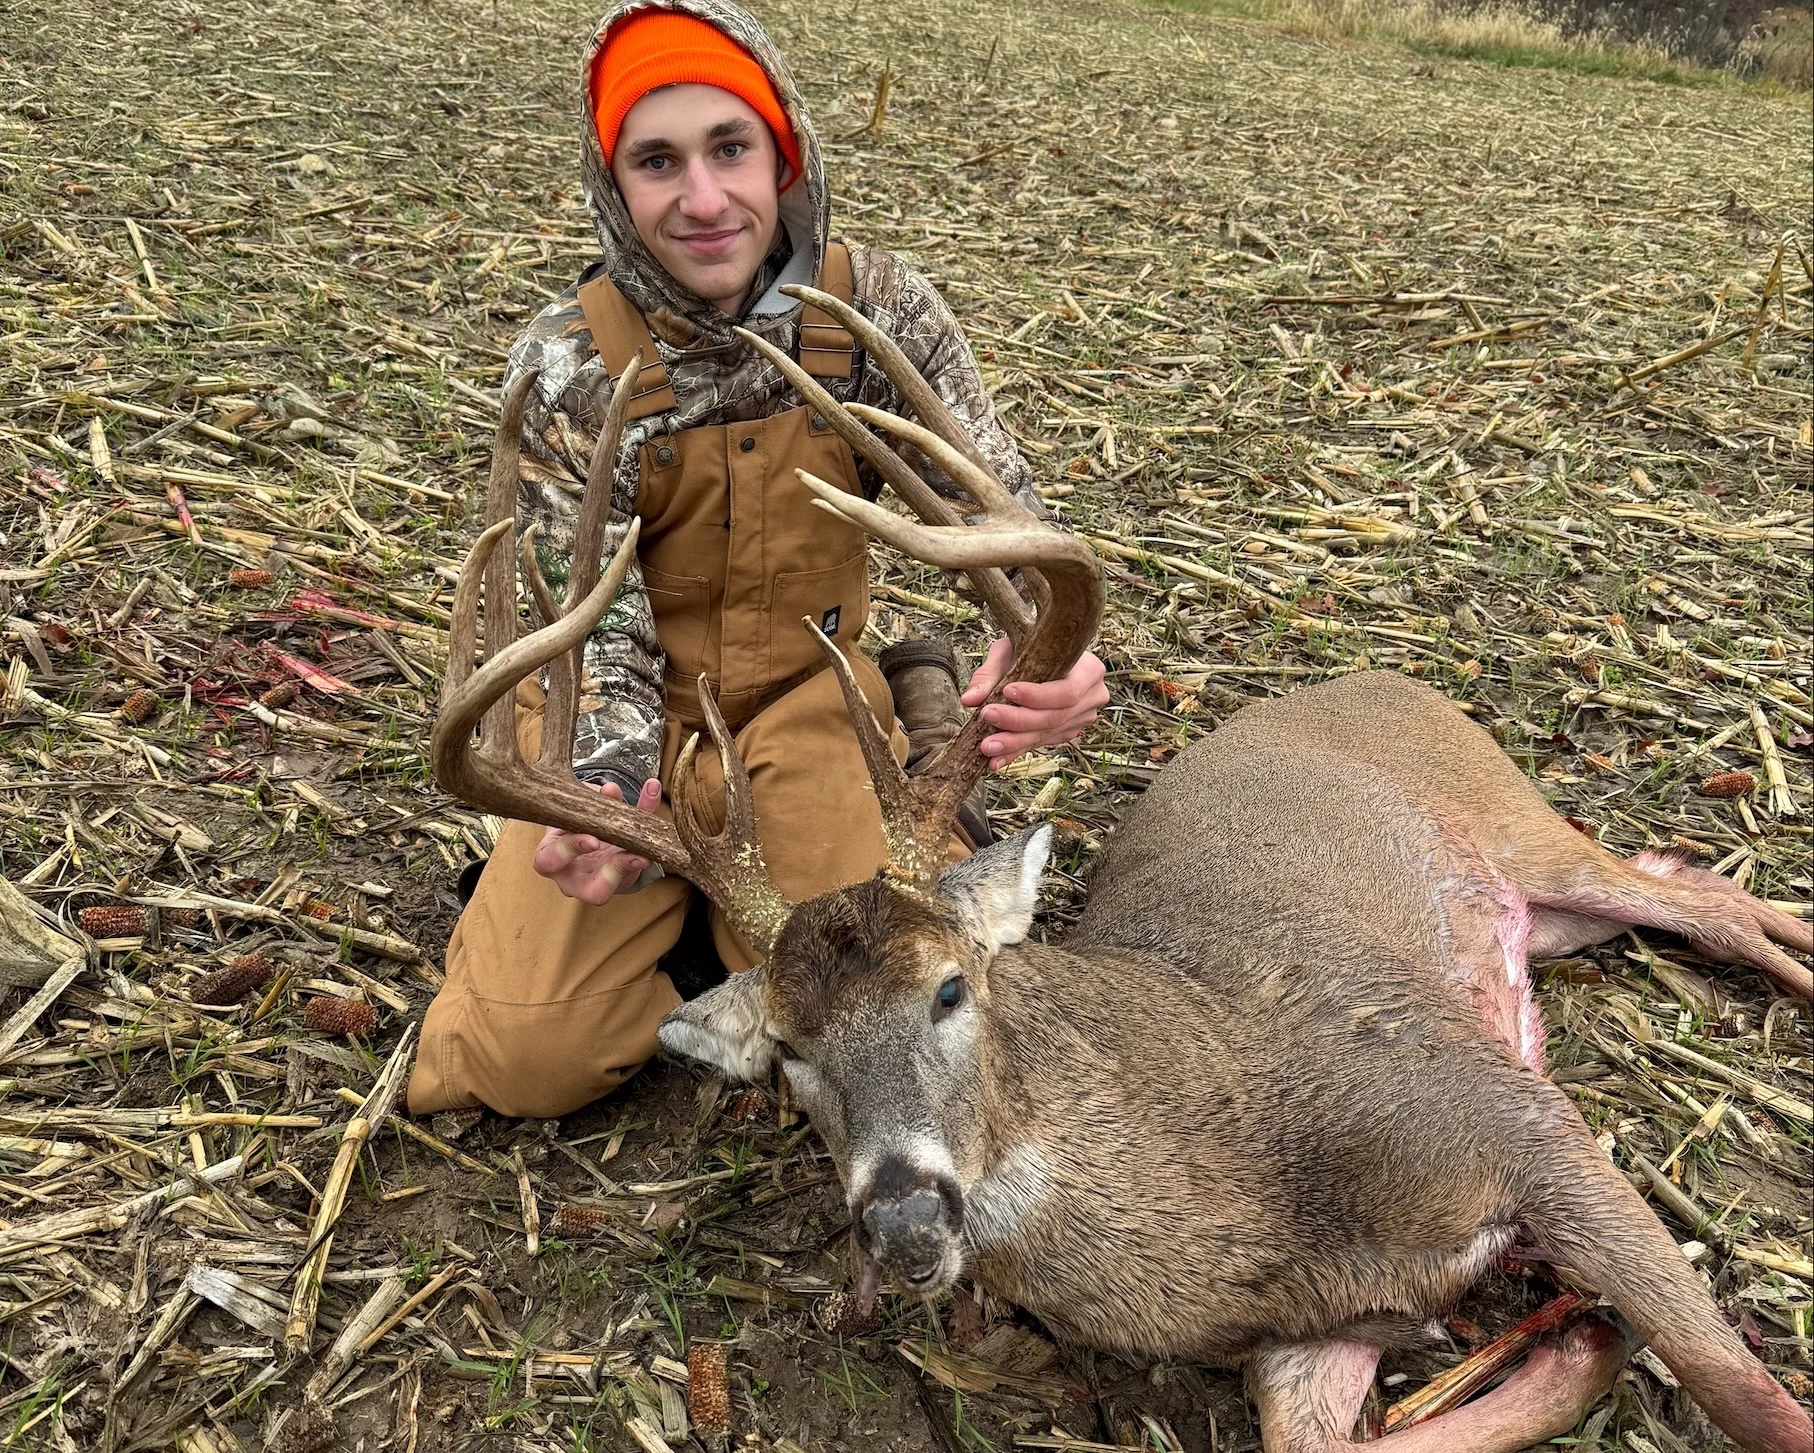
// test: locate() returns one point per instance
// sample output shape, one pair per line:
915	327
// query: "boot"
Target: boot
923	678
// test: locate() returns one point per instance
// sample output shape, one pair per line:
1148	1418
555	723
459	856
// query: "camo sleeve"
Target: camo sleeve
909	309
617	734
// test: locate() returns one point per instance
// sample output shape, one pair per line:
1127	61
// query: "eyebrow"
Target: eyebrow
736	126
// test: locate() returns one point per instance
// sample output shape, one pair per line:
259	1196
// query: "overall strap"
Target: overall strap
618	330
825	346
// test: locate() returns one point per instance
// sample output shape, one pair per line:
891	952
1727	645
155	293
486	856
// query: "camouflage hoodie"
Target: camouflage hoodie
716	379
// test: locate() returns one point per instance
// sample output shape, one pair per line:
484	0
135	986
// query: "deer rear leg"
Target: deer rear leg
1777	925
1310	1393
1660	890
1557	931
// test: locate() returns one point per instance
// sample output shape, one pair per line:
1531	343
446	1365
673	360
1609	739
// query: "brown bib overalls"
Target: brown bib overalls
550	1003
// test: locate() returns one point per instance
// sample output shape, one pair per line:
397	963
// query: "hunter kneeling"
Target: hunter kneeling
705	184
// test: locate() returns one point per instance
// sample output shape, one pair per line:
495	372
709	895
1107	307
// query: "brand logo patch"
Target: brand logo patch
829	621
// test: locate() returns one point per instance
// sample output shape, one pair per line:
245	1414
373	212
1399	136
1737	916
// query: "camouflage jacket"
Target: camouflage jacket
717	380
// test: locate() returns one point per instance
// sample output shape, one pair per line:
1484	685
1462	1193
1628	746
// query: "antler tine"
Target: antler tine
998	593
1065	627
566	672
962	463
728	866
1011	535
907	855
491	774
463	629
532	572
1069	623
495	681
934	413
500	572
918	395
991	495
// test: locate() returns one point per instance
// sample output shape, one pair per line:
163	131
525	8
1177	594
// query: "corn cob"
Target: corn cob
843	1316
139	707
709	1392
750	1104
334	1015
1728	784
234	982
309	1430
249	579
576	1221
121	920
452	1124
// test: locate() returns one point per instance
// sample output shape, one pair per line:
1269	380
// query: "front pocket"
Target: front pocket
835	599
683	621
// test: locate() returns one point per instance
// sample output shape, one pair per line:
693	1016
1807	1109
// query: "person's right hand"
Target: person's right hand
586	869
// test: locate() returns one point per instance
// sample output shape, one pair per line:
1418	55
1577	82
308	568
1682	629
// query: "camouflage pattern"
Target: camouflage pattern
716	380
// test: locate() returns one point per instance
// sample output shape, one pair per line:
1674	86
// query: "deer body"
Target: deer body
1282	1085
1277	1098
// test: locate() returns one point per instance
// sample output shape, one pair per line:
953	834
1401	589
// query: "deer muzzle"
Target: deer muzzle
907	1225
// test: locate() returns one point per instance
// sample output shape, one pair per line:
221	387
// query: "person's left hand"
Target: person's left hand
1034	713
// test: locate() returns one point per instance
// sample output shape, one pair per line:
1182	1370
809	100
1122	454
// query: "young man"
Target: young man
704	181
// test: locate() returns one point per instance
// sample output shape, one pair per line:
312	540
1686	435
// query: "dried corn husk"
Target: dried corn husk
30	949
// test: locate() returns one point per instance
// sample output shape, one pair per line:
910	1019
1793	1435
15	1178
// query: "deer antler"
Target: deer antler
491	773
1004	604
1062	570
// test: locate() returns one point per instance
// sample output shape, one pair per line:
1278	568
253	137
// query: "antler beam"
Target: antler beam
491	774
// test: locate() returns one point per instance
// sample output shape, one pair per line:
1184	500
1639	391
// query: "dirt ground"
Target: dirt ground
1340	355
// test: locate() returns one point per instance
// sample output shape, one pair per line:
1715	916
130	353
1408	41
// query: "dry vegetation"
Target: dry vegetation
1341	355
1685	42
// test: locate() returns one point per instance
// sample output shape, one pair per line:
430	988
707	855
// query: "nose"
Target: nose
703	199
909	1218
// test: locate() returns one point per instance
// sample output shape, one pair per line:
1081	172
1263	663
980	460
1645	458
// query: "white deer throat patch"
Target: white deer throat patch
1007	1197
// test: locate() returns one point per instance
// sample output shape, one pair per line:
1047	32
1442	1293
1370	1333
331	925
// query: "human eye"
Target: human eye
656	163
733	150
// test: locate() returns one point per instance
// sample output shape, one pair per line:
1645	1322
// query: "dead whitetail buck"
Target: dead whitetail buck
1277	1098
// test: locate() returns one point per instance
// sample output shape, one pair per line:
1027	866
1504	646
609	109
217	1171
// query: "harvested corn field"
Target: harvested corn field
1339	355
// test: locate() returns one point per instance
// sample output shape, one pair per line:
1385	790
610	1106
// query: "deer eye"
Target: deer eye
950	995
785	1050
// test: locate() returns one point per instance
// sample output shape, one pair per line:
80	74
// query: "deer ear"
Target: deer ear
726	1026
994	891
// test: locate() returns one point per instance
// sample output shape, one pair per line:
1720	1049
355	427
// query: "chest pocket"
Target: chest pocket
735	553
817	565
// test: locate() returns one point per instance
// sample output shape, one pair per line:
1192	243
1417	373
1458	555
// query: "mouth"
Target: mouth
870	1272
710	245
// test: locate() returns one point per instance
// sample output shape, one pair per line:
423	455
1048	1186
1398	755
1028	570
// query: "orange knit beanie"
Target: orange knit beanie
655	48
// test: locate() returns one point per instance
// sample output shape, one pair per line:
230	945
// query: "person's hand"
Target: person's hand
591	871
1034	713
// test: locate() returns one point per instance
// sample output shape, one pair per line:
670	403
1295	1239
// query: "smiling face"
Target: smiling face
875	1001
701	177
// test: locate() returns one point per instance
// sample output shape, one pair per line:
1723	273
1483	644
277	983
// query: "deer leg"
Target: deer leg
1776	925
1659	890
1558	931
1309	1395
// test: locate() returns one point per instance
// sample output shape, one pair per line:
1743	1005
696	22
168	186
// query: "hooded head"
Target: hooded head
749	68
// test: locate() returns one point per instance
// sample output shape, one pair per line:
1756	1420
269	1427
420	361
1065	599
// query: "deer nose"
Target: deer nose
909	1224
908	1235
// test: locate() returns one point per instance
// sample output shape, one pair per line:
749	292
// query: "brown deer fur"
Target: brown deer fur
1246	1110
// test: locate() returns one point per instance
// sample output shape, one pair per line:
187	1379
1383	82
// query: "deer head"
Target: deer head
874	1000
870	997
